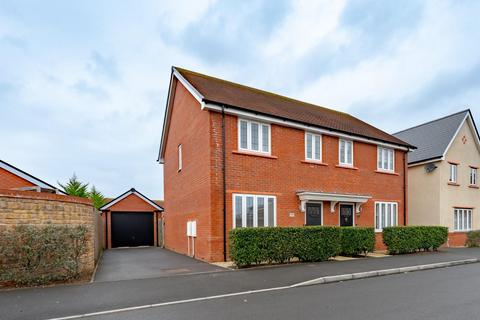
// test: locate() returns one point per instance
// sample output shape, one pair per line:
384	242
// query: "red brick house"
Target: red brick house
15	179
132	220
236	156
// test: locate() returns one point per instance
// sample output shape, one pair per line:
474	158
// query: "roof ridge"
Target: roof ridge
259	90
431	121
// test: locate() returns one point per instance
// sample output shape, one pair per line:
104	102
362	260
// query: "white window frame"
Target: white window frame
249	136
453	170
462	219
255	209
379	204
180	156
389	154
312	158
346	153
473	176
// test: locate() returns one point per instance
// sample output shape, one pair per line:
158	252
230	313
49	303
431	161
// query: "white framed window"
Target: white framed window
386	215
473	176
462	219
345	152
253	136
250	210
453	173
313	147
385	159
180	160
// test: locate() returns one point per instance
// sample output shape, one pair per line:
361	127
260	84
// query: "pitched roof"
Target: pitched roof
232	94
433	138
27	176
126	194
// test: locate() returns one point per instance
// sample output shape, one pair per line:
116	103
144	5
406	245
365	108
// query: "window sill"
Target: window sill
318	163
255	154
346	167
453	184
462	231
387	172
473	186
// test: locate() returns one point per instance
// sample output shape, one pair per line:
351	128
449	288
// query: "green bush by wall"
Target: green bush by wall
473	238
279	245
414	238
357	240
34	255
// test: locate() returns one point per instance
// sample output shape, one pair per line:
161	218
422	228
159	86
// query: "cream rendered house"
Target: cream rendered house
443	186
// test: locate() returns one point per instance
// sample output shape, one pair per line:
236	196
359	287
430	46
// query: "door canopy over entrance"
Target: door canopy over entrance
334	198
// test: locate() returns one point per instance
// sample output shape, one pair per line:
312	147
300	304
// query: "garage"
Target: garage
132	229
133	220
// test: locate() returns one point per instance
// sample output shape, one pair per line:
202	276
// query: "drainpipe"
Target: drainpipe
405	181
224	186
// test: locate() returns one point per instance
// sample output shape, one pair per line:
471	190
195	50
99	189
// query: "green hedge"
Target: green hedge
34	255
357	240
279	245
473	238
414	238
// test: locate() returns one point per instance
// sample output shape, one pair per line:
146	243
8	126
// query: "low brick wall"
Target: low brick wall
457	239
37	208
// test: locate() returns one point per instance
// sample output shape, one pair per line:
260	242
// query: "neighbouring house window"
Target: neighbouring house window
462	219
346	152
253	211
179	157
385	215
453	173
254	136
473	176
385	159
313	147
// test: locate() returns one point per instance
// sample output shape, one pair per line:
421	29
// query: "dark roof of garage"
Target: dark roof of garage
111	202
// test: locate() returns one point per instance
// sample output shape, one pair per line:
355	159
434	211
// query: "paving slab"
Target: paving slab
151	262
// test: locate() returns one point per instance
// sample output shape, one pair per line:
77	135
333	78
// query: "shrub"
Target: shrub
34	255
413	238
356	240
279	245
473	238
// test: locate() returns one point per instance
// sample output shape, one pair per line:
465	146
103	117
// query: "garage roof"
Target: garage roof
126	194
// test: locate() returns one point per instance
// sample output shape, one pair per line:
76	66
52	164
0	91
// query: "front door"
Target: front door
313	214
346	215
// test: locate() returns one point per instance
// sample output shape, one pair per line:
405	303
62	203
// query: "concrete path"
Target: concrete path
60	301
142	263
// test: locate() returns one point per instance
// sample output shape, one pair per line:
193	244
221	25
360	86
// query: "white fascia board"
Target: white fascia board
197	95
126	194
426	161
455	135
321	196
25	176
292	124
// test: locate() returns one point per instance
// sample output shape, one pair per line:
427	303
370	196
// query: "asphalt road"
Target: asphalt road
450	293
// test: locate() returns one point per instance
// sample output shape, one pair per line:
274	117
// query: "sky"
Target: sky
83	84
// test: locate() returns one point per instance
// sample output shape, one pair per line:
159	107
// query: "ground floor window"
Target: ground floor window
462	219
385	215
254	211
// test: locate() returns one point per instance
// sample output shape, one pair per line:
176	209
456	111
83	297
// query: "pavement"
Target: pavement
149	262
61	301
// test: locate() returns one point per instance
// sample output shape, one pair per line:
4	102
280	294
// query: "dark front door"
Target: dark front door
132	229
314	214
346	215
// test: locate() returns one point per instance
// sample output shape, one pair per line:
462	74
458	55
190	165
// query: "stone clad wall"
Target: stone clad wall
37	208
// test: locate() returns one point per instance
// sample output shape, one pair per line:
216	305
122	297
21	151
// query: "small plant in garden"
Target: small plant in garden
74	187
473	238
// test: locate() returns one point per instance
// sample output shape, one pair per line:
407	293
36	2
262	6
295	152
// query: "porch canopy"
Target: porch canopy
334	198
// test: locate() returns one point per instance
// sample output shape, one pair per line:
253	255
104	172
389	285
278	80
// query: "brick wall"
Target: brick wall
10	181
35	208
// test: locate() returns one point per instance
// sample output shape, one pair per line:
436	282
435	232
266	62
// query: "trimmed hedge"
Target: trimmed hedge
357	240
414	238
279	245
473	238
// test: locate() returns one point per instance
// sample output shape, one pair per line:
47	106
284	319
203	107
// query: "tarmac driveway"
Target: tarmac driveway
152	262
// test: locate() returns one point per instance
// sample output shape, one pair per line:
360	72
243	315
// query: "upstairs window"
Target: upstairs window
346	152
180	157
313	147
473	176
385	159
453	173
253	136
